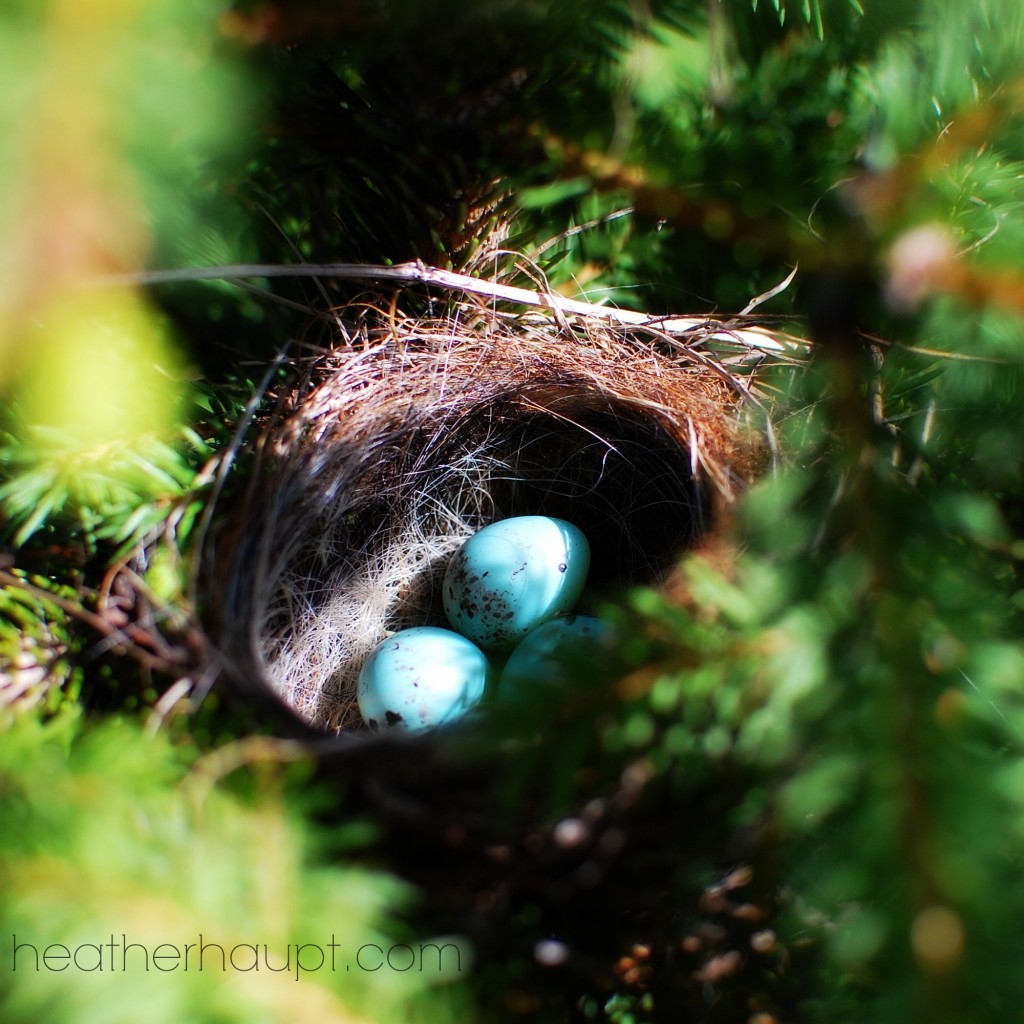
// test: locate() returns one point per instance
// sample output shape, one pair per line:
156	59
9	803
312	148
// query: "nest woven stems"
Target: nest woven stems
415	434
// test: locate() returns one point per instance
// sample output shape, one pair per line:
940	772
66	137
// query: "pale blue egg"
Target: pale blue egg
558	651
513	575
420	678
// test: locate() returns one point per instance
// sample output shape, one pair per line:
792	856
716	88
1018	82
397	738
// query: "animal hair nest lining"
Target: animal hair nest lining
415	432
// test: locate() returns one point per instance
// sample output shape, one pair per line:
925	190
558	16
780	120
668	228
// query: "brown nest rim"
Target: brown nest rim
414	432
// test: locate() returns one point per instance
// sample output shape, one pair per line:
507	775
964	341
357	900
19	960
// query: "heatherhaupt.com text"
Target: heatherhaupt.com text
119	955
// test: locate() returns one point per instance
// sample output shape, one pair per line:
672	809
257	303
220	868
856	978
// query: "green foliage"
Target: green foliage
847	692
117	493
115	836
810	10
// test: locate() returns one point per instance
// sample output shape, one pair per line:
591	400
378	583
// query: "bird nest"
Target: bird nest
413	432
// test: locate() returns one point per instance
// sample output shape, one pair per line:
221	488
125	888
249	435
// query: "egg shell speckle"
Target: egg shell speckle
420	678
513	575
553	653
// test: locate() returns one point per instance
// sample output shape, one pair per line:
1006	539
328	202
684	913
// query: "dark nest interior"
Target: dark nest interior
413	433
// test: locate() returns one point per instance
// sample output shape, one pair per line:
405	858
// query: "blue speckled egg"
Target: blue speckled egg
555	651
420	678
513	575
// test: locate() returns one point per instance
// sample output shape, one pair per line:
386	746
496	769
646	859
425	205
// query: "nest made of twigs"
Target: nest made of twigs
414	432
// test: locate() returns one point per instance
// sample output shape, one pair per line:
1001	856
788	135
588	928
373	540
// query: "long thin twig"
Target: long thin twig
417	272
579	229
224	467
